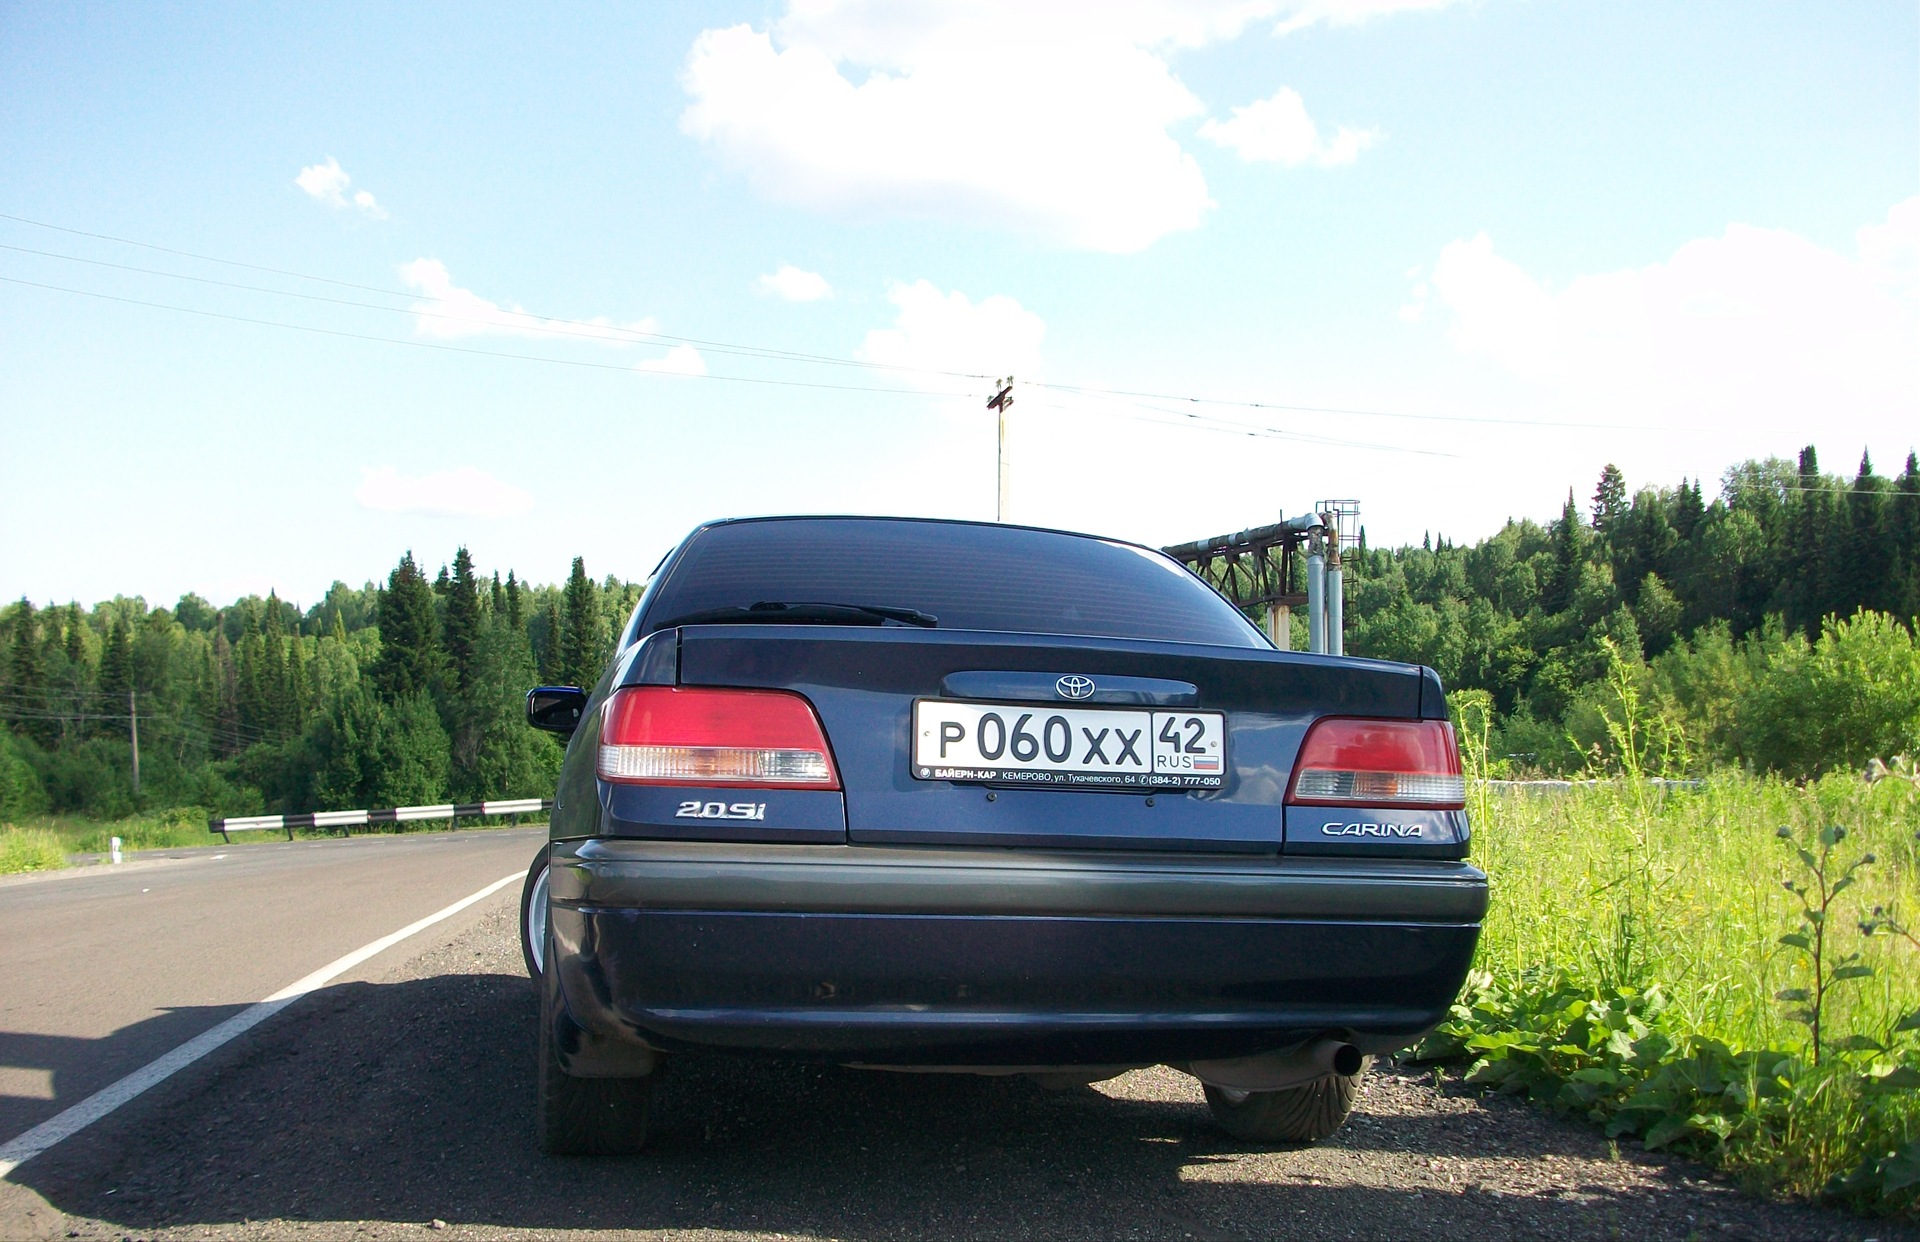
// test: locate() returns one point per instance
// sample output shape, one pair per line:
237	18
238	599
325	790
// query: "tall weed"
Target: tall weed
1639	936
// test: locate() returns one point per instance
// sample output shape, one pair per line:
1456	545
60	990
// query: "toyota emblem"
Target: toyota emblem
1074	686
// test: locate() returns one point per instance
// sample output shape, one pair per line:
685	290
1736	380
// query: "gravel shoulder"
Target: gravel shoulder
399	1108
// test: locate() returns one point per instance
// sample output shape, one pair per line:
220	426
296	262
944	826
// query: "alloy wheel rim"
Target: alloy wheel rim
537	922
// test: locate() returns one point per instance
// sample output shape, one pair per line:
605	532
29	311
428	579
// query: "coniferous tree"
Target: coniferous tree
249	690
75	644
580	633
516	618
75	677
299	693
1867	574
460	633
226	693
1903	536
410	660
1806	572
1609	498
116	669
276	699
1689	510
27	704
550	661
469	673
1568	556
495	755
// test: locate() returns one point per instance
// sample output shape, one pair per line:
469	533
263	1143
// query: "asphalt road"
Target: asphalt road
104	968
396	1103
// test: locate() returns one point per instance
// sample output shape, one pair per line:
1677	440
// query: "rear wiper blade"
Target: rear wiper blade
804	612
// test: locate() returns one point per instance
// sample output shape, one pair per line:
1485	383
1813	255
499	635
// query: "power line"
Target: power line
1209	422
1227	427
1188	421
1088	390
553	325
204	258
724	346
461	349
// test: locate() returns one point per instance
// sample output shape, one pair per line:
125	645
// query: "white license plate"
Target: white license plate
1037	744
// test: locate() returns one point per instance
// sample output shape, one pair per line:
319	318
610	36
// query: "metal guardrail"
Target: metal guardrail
346	820
1658	782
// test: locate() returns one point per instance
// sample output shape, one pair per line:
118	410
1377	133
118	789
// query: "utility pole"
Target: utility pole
133	723
1002	401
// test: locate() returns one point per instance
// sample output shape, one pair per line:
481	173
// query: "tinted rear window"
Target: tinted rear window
972	577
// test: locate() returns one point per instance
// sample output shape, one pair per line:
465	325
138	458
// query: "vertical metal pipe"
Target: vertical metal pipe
1317	600
1336	606
1283	626
1002	496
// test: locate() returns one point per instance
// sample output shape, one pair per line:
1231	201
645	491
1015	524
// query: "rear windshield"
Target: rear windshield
972	577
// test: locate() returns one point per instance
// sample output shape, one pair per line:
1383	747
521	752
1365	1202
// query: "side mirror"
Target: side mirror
557	709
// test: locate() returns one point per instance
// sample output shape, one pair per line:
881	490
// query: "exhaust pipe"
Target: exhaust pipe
1273	1071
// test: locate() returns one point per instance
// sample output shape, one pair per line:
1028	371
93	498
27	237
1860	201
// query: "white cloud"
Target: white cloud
327	183
948	332
463	492
678	360
1299	14
795	284
1757	328
451	313
1280	131
1050	121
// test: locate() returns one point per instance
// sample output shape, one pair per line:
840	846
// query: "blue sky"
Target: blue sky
1666	236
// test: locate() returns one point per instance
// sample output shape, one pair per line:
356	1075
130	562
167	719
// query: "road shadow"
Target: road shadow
76	1067
410	1102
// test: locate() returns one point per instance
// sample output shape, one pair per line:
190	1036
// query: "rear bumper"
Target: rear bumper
995	957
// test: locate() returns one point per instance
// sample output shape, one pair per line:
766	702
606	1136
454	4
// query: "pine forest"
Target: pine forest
1770	627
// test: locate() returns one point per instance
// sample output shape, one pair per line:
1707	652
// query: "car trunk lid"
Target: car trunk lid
864	682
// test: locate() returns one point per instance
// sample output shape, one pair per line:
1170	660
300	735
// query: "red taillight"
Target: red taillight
669	735
1348	762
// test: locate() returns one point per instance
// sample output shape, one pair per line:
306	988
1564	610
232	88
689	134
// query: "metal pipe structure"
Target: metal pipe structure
1254	568
1336	605
1316	597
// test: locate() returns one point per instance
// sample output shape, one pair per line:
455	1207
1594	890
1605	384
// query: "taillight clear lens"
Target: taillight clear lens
671	735
1349	762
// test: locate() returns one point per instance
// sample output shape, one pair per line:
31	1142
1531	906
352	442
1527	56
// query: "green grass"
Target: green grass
1633	956
30	849
1686	887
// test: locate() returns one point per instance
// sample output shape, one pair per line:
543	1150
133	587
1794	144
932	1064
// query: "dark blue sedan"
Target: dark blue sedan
987	799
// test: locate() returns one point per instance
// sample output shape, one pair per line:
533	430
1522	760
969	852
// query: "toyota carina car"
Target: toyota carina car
979	798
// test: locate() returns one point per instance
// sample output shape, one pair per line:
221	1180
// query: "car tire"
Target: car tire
1303	1114
585	1116
533	917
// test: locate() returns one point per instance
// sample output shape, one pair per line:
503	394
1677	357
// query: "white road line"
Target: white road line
25	1147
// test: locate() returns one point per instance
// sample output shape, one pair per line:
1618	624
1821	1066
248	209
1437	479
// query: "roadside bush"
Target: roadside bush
367	754
169	829
21	793
30	849
92	778
1852	696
